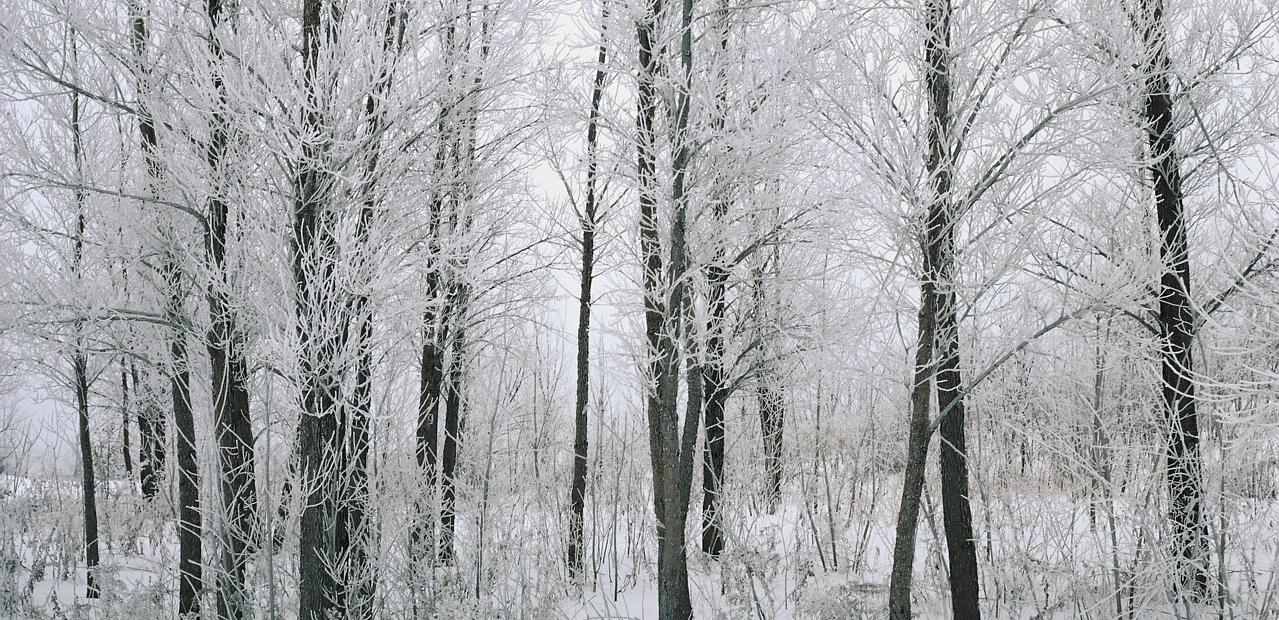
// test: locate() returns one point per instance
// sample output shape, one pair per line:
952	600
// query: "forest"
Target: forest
721	309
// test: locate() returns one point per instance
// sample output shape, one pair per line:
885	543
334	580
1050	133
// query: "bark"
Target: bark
956	511
353	531
714	372
899	603
79	364
189	520
126	447
1176	317
452	432
229	373
772	411
87	478
434	331
430	397
190	567
151	435
581	422
671	453
939	321
320	325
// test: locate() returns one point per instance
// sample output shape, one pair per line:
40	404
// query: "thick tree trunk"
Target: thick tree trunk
1176	317
321	325
190	565
581	422
229	373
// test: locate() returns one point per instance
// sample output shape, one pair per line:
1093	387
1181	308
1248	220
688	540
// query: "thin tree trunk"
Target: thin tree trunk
79	362
452	428
671	453
581	422
714	372
1176	318
956	510
939	322
151	435
126	447
87	478
899	603
434	333
771	415
352	528
189	520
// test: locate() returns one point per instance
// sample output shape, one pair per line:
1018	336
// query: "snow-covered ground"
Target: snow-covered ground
1041	556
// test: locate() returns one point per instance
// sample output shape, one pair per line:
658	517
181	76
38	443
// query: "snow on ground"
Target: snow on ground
1041	555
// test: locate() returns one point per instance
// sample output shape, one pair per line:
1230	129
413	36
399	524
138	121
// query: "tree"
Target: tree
1176	316
170	271
671	451
938	343
588	217
319	318
229	371
79	357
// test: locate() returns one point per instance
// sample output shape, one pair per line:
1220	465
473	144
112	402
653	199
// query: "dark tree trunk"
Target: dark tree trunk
939	322
321	325
79	362
916	459
581	422
772	411
126	447
87	479
1176	318
956	511
189	520
671	452
714	372
716	394
229	373
151	436
452	427
430	397
189	526
434	336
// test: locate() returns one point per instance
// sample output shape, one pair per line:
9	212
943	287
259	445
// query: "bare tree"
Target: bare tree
671	452
1176	317
588	217
79	357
